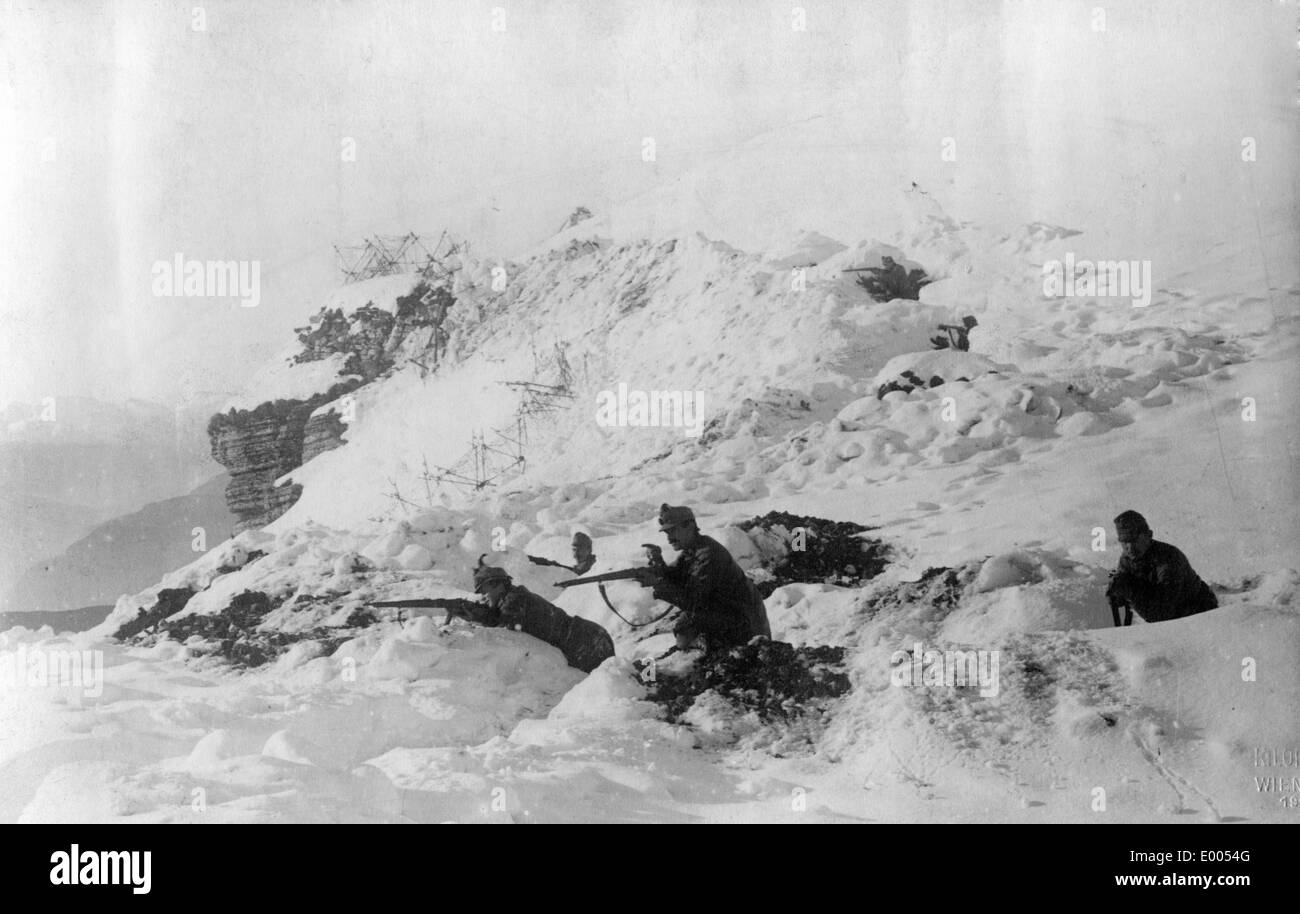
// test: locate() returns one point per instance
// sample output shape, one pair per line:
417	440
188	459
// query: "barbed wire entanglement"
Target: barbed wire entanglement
497	454
383	255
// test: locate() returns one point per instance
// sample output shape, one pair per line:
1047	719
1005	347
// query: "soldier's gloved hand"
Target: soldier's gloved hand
648	577
1120	585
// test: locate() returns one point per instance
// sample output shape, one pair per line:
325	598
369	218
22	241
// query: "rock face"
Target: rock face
323	432
256	455
260	445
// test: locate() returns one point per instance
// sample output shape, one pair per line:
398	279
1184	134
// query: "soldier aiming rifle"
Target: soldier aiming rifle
585	644
958	335
721	607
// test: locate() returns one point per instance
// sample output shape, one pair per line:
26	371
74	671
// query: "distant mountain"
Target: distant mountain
32	527
74	620
68	464
125	554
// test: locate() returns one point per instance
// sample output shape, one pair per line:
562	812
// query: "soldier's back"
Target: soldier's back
1166	567
534	615
585	644
735	593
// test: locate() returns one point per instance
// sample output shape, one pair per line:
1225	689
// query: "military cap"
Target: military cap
485	574
1130	522
671	516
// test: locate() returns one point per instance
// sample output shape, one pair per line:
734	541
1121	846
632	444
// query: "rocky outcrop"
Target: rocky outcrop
575	249
170	602
260	445
362	338
371	337
581	214
323	432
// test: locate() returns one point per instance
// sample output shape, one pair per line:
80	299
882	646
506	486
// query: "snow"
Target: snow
282	379
1073	409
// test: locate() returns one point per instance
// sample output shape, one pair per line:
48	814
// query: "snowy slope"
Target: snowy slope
485	725
1072	410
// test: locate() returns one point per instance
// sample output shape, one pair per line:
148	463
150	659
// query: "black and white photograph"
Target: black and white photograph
650	412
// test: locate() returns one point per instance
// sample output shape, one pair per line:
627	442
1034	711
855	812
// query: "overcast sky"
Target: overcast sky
127	135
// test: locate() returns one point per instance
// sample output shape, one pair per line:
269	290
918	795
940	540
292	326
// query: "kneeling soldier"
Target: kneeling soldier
1154	579
720	604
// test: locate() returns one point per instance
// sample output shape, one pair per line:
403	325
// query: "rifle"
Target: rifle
654	560
626	574
455	606
538	560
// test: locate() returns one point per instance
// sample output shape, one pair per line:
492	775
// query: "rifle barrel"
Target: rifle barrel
627	574
432	603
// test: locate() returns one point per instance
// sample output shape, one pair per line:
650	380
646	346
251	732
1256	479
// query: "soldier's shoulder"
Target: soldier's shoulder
1166	552
709	545
520	595
517	593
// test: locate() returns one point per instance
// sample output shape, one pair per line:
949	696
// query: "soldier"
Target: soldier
958	336
584	643
721	606
896	272
583	557
1153	578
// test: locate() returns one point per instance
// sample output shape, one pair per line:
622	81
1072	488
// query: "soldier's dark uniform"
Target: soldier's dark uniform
585	644
717	598
1160	585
